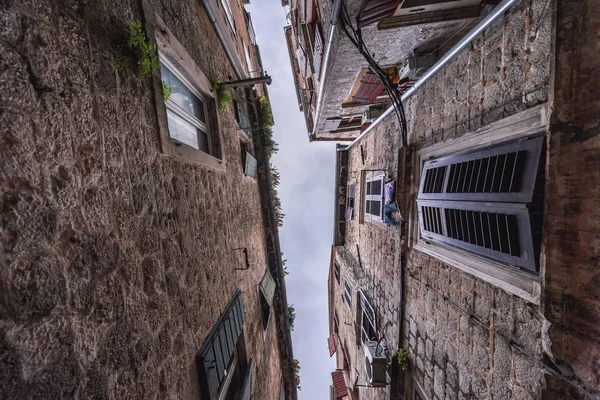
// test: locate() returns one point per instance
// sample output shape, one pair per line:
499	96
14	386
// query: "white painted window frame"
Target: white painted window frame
372	176
518	126
180	111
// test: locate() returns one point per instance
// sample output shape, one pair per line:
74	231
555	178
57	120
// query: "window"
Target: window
186	110
229	14
336	272
221	360
188	119
373	196
266	293
487	202
348	294
368	322
350	201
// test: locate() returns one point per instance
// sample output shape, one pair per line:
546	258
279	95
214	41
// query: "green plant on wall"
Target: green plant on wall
403	359
135	48
223	96
291	316
166	91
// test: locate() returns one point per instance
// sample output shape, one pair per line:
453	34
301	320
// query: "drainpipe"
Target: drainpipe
335	11
213	20
464	42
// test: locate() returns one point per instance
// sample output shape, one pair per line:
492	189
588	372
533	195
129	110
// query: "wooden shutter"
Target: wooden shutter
250	165
368	310
377	10
217	351
318	52
479	201
369	89
267	287
505	173
350	201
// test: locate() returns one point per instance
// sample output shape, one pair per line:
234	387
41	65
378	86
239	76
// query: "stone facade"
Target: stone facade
468	338
346	63
117	260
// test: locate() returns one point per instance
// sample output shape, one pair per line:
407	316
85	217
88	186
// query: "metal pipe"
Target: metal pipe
213	20
464	42
335	12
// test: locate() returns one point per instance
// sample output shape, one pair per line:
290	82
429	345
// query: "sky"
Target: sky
306	193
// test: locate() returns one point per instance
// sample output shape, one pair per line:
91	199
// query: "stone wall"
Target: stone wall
116	260
571	302
381	285
466	338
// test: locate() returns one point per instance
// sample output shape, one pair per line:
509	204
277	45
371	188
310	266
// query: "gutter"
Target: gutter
211	15
449	56
335	11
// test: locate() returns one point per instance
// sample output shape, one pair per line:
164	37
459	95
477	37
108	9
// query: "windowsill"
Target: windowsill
190	154
519	283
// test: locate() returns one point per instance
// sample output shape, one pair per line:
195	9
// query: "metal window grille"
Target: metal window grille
486	202
217	352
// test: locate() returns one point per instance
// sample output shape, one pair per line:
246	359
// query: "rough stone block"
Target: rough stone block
464	379
527	372
439	383
502	358
480	359
482	307
492	66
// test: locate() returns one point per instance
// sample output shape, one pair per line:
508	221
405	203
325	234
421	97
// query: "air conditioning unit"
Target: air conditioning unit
375	363
417	64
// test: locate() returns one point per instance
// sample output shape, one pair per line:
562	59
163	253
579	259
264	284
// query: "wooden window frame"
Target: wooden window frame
528	123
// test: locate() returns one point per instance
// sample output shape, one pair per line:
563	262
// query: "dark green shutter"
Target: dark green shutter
217	351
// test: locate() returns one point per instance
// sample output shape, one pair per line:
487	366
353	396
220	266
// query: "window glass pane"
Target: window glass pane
368	207
368	188
375	208
183	131
376	187
182	95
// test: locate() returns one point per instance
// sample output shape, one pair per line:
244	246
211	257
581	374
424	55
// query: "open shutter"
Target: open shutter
368	310
318	52
369	89
217	351
267	287
374	196
505	173
479	201
376	10
350	201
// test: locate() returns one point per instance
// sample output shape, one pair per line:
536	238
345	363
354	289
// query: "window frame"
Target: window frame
366	178
170	49
177	109
528	123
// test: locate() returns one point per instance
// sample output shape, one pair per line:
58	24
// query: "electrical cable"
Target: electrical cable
355	37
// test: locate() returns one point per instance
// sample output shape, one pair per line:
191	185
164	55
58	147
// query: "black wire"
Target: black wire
355	37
